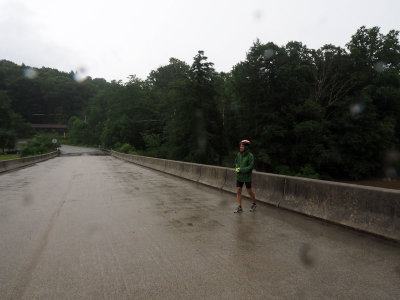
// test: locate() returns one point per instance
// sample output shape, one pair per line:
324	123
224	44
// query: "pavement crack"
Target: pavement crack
26	277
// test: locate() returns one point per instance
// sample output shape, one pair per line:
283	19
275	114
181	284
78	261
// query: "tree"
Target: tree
11	124
7	139
206	139
78	131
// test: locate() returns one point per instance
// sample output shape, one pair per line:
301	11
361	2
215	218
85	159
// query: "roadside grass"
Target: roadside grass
9	156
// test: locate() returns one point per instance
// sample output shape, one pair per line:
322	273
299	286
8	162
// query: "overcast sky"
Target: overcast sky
118	38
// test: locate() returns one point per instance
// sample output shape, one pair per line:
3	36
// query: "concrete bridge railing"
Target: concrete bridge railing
8	165
369	209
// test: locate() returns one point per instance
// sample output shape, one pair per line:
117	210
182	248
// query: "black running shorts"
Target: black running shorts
240	184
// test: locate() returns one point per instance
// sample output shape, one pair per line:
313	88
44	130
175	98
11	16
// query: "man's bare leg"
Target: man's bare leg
252	195
253	199
239	195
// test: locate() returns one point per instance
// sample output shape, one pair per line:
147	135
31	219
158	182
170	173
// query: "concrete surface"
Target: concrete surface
12	164
368	209
95	227
67	150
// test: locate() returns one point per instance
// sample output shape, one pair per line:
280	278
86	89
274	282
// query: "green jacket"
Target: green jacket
246	164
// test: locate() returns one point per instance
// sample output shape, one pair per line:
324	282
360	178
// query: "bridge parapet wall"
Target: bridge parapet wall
174	167
369	209
8	165
213	176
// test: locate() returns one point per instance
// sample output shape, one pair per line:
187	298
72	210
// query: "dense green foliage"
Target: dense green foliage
325	113
40	144
12	124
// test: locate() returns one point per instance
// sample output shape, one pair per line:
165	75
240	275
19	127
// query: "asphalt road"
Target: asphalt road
95	227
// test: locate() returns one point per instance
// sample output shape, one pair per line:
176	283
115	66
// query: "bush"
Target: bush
39	144
284	170
7	139
126	148
308	172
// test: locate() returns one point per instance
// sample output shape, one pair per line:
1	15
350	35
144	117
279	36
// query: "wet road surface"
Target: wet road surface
95	227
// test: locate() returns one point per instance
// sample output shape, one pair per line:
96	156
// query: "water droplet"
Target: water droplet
80	75
398	270
258	14
30	73
392	156
380	66
234	106
28	199
201	132
268	53
199	113
307	255
201	143
391	173
356	108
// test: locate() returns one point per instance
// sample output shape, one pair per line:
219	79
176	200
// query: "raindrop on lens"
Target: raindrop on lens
201	143
391	173
234	106
258	14
392	156
30	73
398	269
28	199
307	255
80	75
268	53
201	135
391	162
356	109
380	66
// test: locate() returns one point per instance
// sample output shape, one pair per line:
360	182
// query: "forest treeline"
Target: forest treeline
330	113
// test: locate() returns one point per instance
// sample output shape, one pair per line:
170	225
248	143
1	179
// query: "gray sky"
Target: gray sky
118	38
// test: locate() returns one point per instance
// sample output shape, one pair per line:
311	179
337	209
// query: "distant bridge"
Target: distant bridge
59	128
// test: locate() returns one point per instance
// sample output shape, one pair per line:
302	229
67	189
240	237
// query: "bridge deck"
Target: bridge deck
94	227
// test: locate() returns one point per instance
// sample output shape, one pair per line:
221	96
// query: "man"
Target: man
244	164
